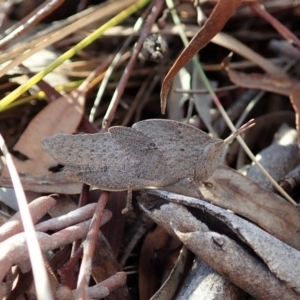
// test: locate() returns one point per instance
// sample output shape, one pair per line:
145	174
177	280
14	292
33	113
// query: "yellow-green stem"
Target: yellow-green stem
67	55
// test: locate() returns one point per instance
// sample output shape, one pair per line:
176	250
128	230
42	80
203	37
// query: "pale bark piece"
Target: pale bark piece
282	260
278	159
230	189
204	283
261	272
252	276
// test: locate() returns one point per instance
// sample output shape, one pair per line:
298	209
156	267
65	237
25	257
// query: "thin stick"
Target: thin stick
30	20
89	247
242	129
111	68
156	10
41	280
283	30
68	54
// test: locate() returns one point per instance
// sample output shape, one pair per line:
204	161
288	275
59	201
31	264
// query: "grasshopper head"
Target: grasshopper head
210	159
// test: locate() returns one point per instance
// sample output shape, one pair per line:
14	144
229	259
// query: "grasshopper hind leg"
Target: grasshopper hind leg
128	206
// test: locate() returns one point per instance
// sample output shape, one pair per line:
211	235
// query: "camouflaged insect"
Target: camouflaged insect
150	154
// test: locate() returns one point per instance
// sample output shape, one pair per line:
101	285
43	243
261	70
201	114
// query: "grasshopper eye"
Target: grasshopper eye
210	150
211	158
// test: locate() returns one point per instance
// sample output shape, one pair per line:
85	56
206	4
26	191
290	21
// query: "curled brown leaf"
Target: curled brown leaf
214	24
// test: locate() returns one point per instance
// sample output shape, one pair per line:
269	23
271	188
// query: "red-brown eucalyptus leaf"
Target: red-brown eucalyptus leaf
278	85
60	116
283	86
214	24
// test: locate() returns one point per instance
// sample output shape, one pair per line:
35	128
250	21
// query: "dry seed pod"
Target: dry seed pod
154	153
